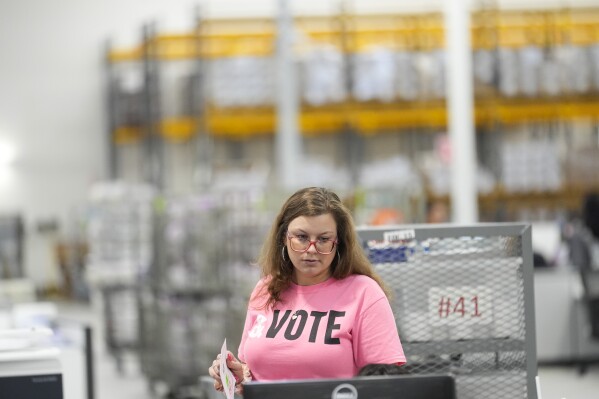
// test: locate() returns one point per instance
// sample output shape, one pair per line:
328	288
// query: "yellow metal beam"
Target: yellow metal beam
536	110
127	135
367	118
240	123
569	196
490	29
372	118
178	129
125	55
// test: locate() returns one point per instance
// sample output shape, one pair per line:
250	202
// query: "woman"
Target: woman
319	311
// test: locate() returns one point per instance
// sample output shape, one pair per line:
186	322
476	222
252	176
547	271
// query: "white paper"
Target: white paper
226	376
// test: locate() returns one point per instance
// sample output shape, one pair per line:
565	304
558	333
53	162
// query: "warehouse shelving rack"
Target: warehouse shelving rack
226	38
491	29
152	128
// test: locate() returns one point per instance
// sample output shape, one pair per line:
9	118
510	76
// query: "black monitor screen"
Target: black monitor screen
373	387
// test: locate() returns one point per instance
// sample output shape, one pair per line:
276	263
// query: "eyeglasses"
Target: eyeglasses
301	243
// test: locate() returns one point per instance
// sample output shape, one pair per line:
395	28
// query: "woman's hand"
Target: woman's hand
239	370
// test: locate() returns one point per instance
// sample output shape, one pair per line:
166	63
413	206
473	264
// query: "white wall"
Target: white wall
51	91
52	105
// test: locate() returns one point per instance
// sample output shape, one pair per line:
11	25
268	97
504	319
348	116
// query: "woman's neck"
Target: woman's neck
311	280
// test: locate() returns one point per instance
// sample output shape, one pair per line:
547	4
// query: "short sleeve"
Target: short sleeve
376	340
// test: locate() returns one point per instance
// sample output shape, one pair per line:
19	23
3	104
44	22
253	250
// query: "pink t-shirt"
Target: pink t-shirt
340	326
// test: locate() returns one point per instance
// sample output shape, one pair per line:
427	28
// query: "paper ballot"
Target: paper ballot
226	375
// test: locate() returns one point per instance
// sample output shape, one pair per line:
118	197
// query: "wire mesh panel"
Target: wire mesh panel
183	333
463	303
197	290
121	320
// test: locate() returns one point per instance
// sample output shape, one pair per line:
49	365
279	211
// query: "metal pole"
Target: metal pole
529	311
460	107
202	175
154	152
353	143
89	362
111	111
288	140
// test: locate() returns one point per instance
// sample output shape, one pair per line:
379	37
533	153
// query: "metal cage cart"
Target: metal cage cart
197	291
183	332
119	232
121	321
463	302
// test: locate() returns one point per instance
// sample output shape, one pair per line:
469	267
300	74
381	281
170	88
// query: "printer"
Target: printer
29	365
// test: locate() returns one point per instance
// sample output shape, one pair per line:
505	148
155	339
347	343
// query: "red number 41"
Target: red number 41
446	307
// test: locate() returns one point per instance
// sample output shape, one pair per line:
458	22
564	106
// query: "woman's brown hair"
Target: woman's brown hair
312	201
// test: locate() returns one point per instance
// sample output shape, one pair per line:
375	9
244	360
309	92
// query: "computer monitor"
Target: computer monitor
372	387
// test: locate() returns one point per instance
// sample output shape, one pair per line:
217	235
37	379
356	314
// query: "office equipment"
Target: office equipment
380	387
28	369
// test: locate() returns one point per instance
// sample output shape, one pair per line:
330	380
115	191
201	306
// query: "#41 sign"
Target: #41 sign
457	306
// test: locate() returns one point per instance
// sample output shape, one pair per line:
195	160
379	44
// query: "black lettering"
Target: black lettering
317	316
328	339
302	316
275	327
